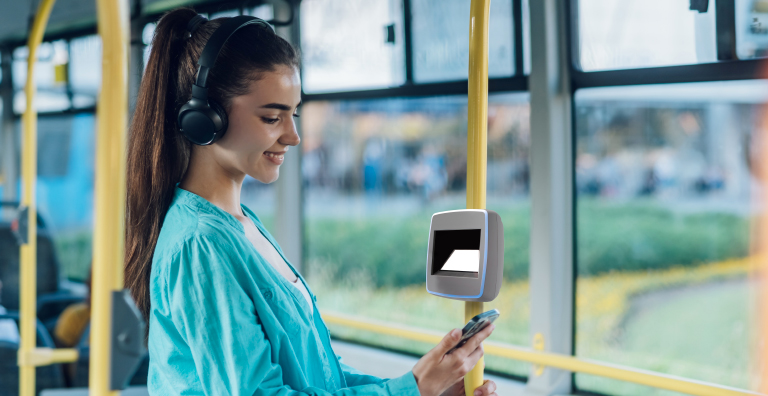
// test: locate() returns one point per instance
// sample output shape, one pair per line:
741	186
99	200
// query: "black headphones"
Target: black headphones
201	120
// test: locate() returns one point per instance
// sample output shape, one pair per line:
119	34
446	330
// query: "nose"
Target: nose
290	136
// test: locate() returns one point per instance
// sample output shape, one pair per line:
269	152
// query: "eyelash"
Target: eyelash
274	120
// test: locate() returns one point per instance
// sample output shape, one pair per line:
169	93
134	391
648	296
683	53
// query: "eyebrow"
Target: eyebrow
278	106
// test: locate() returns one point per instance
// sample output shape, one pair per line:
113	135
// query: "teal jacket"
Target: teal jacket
223	321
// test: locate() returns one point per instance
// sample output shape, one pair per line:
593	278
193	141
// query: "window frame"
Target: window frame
518	82
722	70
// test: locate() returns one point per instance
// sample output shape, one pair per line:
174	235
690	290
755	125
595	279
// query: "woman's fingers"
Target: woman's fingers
477	339
487	389
470	361
449	341
455	389
485	333
476	355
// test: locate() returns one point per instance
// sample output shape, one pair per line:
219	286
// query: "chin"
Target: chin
268	178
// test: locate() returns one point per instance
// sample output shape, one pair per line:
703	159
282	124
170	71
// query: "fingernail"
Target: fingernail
478	393
454	333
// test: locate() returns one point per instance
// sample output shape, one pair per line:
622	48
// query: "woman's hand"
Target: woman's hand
486	389
435	372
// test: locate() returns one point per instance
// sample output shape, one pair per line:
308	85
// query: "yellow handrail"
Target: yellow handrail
108	230
28	357
569	363
477	147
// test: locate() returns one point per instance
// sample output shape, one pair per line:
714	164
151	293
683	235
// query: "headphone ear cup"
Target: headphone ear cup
219	110
195	122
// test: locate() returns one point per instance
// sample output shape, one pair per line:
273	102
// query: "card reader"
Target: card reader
465	256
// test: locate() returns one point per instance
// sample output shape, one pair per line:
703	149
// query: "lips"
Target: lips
275	157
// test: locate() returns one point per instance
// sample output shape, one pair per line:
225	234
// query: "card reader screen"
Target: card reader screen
456	253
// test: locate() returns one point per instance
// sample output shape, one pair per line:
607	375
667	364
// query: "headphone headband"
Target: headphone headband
216	42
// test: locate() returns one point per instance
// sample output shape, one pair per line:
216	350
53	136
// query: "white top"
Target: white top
9	331
303	289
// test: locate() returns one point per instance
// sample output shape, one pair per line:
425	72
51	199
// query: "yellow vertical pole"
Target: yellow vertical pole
28	251
108	230
477	148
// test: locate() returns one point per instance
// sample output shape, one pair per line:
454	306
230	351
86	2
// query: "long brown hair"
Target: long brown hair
158	154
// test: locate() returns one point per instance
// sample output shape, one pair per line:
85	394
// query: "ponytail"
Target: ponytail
158	155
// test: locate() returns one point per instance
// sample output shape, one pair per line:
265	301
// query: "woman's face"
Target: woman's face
262	126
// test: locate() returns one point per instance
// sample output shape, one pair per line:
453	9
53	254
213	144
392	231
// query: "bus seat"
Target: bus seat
46	377
47	266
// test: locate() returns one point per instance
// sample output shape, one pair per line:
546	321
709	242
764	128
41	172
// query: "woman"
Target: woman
227	313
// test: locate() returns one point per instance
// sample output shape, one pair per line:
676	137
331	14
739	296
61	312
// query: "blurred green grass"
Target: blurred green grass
392	251
705	331
374	268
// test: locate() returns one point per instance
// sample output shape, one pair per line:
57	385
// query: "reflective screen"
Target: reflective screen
456	252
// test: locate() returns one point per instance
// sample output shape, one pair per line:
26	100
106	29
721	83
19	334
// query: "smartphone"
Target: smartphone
474	326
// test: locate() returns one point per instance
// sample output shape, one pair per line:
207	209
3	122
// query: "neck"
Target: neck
214	182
